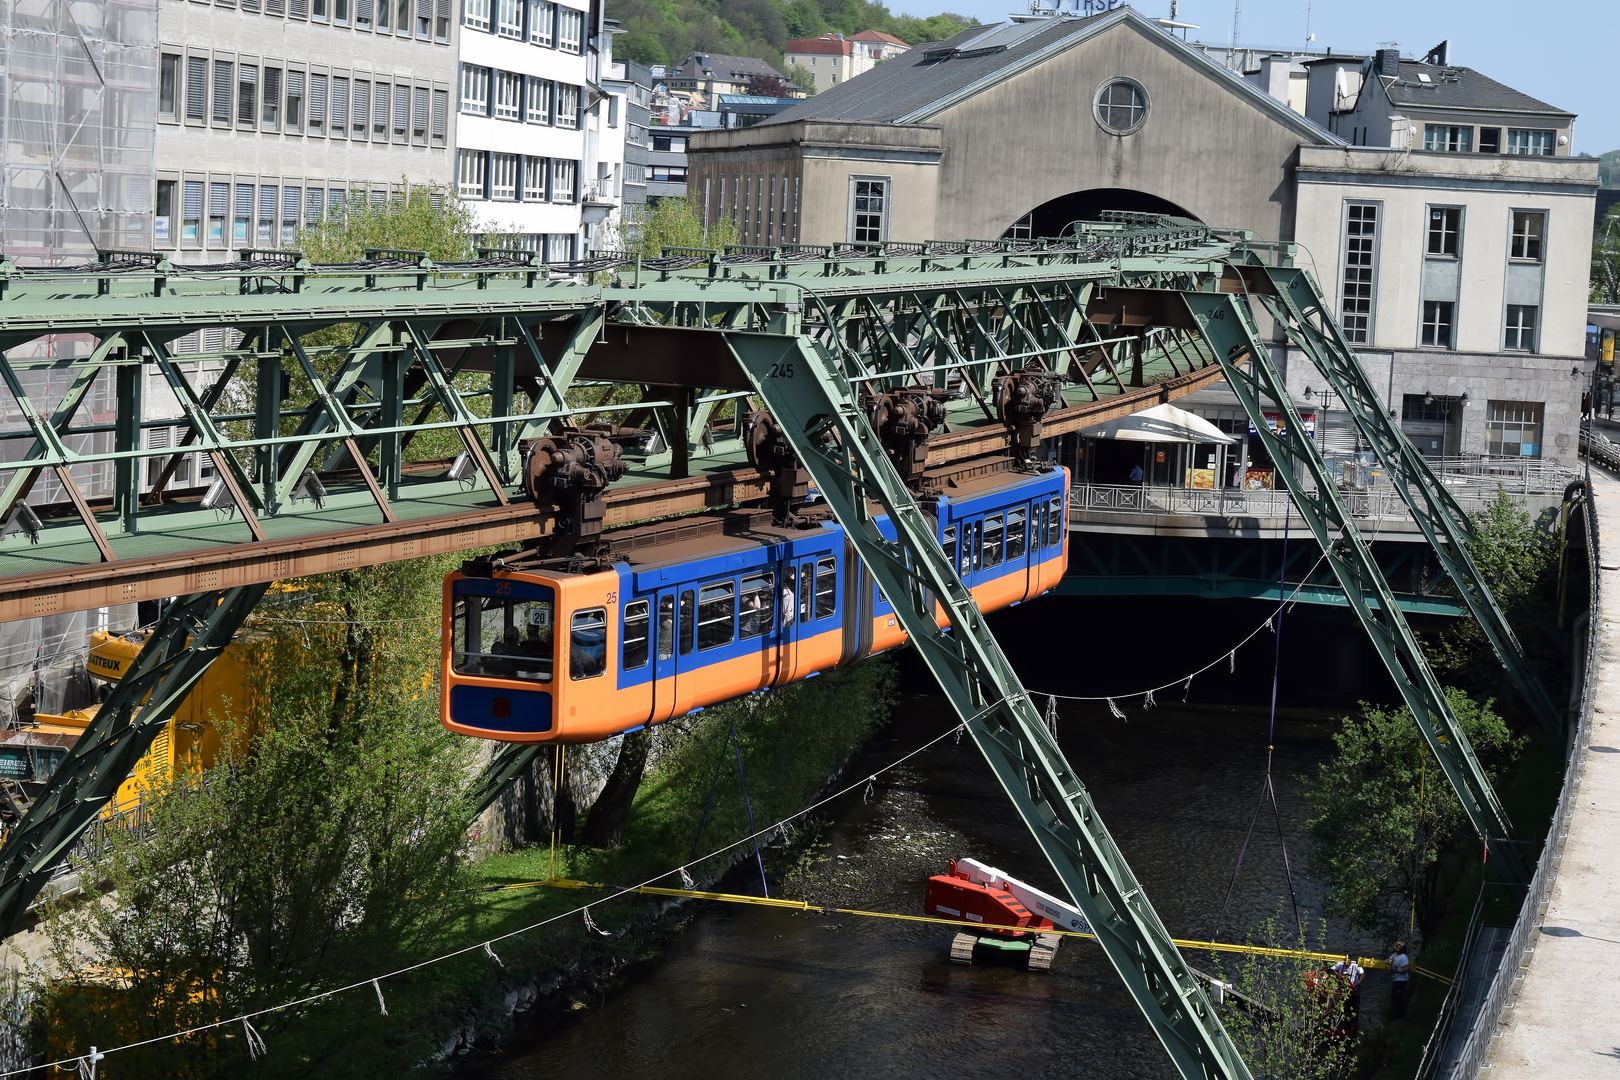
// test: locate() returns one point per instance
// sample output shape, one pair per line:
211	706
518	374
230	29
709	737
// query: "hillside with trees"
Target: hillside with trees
667	31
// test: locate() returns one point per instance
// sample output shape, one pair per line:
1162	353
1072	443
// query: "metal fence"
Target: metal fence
1478	1043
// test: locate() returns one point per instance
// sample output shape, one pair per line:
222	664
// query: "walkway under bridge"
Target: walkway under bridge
381	410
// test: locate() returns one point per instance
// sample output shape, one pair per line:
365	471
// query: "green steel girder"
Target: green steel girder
191	634
1228	326
1296	303
817	406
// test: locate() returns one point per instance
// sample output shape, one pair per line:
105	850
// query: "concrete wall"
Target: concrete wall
1205	145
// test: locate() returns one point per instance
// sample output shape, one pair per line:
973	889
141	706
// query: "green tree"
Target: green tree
672	222
1382	811
1606	259
422	218
1285	1014
323	855
803	78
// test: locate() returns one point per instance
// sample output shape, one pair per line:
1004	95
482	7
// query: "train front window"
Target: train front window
503	637
826	587
717	608
757	611
666	627
637	624
992	540
587	644
1015	534
688	620
1054	521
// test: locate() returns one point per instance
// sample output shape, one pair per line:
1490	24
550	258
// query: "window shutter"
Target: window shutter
362	13
441	25
314	202
298	9
267	202
362	107
244	200
340	108
402	110
196	88
219	196
317	101
271	113
275	7
246	94
250	5
424	18
419	114
191	201
379	116
441	111
290	199
223	72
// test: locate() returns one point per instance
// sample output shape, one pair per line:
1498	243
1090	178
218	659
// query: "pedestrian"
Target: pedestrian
1402	966
1136	474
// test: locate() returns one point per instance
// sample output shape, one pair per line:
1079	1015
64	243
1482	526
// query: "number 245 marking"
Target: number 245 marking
781	371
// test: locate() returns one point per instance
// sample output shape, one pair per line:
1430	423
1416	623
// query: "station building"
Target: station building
1452	235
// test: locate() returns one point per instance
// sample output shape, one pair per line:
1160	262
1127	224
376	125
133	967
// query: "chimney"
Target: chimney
1274	73
1389	63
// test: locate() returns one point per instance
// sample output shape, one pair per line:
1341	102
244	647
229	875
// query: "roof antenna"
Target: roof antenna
1231	49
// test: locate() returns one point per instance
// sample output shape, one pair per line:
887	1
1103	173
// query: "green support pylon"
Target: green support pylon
1229	329
818	409
189	637
1299	307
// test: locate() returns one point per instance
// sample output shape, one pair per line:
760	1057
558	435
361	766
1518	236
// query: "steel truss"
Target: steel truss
1228	326
191	634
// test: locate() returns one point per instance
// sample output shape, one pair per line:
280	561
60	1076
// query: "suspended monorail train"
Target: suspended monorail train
545	655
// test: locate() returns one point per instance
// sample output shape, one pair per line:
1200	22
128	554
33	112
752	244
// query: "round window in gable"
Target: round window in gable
1121	106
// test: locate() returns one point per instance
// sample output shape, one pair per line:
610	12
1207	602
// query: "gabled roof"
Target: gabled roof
1431	86
821	46
919	84
879	36
721	64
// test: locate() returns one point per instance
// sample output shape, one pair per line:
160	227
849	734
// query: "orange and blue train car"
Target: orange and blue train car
549	656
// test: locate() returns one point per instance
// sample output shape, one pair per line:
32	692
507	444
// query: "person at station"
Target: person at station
1136	474
1401	964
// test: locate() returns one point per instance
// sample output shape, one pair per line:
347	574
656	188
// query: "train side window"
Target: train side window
587	644
807	584
975	550
688	621
993	535
948	542
666	627
503	639
1015	534
716	611
637	625
826	587
790	591
757	608
1054	521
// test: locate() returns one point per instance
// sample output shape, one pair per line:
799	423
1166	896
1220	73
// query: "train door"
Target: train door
663	701
798	599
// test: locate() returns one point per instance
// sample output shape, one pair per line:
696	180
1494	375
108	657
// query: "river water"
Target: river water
750	992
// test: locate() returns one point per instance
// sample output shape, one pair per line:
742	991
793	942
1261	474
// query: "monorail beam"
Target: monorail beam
189	637
819	411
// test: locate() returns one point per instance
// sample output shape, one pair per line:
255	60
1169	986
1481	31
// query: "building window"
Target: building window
1438	316
362	108
673	143
1521	328
340	12
247	95
534	179
539	100
1528	226
1360	261
191	212
362	14
441	117
564	174
570	30
1448	138
266	234
163	219
470	172
1490	140
219	196
223	72
503	170
567	106
271	114
1121	106
510	18
314	206
474	90
1538	143
340	108
382	14
1513	428
196	88
1445	222
317	10
542	18
402	112
419	115
242	221
317	104
168	81
295	100
379	111
291	199
508	95
675	174
868	209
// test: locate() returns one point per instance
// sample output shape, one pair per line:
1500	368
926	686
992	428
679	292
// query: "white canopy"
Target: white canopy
1163	424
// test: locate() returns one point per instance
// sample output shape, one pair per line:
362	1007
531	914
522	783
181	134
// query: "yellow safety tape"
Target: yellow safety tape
801	905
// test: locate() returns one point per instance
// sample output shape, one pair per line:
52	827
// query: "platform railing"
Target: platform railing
1378	503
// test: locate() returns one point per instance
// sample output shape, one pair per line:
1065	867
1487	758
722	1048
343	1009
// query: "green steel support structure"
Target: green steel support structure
818	409
1228	326
1297	304
191	634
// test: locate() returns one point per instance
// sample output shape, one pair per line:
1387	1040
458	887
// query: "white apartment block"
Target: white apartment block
272	111
533	122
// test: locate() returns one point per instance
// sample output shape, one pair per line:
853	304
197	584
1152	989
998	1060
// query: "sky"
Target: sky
1558	51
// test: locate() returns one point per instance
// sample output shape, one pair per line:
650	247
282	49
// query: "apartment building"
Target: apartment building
833	58
273	112
533	120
